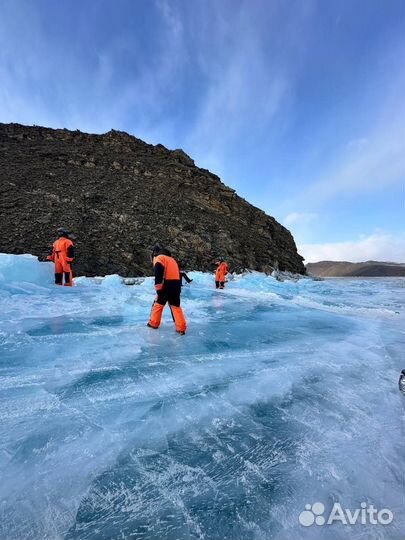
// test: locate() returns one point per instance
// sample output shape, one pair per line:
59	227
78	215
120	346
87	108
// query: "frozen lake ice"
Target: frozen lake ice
280	395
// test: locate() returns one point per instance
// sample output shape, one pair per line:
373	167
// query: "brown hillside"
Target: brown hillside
119	195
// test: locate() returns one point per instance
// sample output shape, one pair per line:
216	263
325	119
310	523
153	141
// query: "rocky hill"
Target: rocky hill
348	269
119	195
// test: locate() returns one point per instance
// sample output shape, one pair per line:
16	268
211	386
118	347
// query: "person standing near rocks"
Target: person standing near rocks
168	289
220	273
62	254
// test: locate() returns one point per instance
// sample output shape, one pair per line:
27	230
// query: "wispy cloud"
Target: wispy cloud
242	86
365	165
378	246
299	218
245	86
241	95
114	84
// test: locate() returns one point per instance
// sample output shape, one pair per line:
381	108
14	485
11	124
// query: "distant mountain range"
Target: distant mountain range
362	269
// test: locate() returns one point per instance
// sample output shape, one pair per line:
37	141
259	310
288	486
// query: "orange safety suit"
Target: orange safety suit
220	275
168	289
62	254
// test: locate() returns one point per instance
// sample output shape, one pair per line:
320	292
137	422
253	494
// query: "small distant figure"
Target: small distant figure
221	273
184	276
401	382
168	289
62	254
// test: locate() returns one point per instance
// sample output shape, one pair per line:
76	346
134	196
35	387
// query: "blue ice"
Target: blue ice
280	395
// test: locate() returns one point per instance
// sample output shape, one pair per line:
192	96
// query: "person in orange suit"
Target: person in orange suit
220	273
62	254
168	289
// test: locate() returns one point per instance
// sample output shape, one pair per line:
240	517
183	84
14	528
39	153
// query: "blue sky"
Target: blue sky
296	104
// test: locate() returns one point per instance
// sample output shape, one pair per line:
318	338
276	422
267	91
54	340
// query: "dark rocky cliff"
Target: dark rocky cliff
119	195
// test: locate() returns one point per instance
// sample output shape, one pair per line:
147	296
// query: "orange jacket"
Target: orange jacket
166	269
221	271
62	250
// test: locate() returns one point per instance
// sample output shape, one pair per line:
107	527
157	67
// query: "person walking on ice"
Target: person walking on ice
168	289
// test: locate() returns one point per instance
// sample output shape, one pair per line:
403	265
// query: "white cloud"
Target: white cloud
377	246
245	86
363	165
299	218
232	106
47	84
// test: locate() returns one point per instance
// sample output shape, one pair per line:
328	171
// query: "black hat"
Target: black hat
62	231
155	250
158	249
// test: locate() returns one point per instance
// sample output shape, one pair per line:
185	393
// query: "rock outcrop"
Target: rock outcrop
119	195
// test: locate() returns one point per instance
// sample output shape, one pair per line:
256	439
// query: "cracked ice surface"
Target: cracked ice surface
280	394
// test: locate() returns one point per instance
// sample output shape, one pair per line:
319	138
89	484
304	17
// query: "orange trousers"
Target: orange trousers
63	273
169	294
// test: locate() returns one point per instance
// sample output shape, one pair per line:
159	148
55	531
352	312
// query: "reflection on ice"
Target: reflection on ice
281	394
